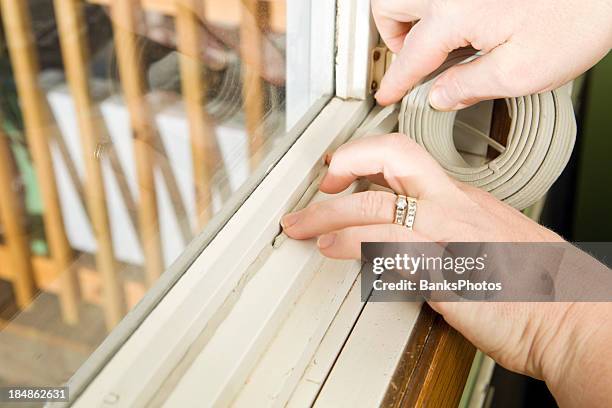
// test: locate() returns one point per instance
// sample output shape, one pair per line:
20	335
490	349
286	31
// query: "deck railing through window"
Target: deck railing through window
27	272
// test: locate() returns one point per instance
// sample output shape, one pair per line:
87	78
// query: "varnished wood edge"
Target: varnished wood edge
434	366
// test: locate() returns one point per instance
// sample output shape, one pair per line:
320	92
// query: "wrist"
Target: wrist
577	366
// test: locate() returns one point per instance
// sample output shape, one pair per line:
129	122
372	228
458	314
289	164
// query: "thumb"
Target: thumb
487	77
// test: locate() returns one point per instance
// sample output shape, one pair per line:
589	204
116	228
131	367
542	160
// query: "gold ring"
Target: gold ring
401	203
411	212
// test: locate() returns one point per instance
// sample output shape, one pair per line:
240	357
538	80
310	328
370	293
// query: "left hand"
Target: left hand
447	209
555	341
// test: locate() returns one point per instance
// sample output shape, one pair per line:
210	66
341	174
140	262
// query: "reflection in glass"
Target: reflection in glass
123	130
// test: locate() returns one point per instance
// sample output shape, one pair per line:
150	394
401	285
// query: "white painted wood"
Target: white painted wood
481	386
281	366
356	37
322	47
310	55
323	360
364	369
221	368
284	361
194	304
299	25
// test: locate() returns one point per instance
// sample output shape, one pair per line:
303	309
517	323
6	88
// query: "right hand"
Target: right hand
530	46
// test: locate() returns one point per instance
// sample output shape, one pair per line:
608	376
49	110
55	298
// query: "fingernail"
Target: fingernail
325	241
439	99
288	220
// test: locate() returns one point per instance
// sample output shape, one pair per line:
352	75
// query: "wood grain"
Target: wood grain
38	126
434	366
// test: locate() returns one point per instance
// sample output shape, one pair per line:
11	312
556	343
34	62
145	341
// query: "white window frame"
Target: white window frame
356	37
197	298
173	336
310	58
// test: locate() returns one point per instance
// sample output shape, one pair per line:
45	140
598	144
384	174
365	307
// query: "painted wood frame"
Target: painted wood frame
198	302
187	329
356	38
249	361
336	120
310	58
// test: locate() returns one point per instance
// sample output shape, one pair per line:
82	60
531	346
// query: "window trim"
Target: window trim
293	290
165	334
135	317
355	39
312	69
298	155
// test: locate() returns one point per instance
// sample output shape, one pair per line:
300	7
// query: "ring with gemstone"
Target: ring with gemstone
410	213
401	204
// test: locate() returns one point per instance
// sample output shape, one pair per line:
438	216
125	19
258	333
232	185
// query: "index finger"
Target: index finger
393	18
425	48
406	166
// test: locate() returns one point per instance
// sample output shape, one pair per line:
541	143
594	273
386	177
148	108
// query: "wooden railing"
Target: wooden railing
29	273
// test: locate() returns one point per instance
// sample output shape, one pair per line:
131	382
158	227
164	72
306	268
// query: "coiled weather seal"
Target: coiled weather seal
540	141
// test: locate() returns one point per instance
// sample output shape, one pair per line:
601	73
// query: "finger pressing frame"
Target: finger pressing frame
346	243
405	166
366	208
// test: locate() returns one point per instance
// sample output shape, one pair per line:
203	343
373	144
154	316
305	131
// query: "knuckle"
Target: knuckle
513	78
370	203
453	81
402	148
505	76
398	142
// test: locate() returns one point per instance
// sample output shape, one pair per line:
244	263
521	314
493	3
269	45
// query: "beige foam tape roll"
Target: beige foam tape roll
540	140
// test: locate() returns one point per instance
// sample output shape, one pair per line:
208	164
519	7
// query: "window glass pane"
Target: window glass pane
127	132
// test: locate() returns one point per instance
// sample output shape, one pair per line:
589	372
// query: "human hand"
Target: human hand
447	211
529	46
553	341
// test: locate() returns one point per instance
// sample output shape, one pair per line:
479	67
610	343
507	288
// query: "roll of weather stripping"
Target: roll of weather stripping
540	141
